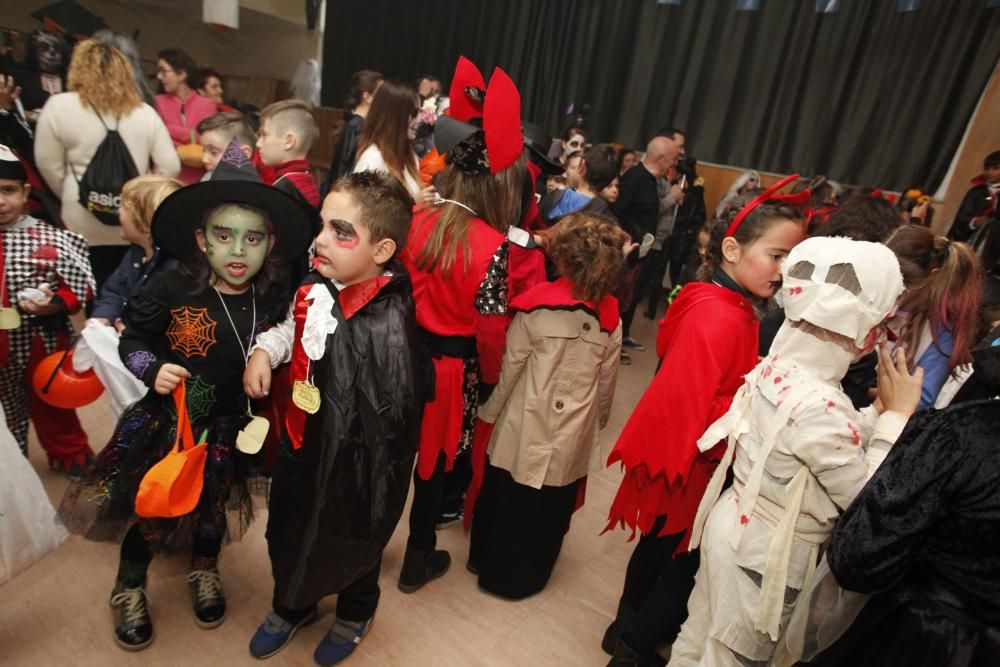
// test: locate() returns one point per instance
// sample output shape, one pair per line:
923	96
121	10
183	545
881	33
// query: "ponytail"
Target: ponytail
945	289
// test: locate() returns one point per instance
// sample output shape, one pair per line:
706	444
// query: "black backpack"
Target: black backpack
110	168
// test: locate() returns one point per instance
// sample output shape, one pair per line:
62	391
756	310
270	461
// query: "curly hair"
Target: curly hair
752	228
103	78
588	251
143	194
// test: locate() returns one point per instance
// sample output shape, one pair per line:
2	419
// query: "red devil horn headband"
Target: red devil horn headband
795	199
467	89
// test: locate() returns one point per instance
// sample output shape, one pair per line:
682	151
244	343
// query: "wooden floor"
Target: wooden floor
57	612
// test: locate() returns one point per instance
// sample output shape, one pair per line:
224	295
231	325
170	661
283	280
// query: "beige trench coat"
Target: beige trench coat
553	396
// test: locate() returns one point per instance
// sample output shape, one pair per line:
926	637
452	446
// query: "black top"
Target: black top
638	205
346	148
930	517
169	323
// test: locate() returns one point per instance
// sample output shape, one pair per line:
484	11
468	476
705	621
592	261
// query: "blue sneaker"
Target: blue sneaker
275	633
339	643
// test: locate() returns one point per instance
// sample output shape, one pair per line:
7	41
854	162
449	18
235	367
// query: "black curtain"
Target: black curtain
867	95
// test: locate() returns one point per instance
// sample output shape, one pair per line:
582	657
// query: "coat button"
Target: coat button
559	405
586	326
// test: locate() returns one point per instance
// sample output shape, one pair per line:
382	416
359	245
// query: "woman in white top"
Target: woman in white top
101	81
386	143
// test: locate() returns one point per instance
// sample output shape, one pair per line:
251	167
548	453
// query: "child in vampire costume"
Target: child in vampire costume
353	423
198	321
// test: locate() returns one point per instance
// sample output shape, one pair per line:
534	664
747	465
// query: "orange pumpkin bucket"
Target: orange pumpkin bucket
57	383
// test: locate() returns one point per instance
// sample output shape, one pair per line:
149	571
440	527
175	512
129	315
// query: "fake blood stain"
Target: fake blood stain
855	434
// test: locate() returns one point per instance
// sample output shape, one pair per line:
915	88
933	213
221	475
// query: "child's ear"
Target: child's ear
271	240
247	151
199	238
290	141
731	249
384	251
26	191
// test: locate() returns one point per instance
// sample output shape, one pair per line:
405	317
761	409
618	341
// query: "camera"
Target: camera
686	166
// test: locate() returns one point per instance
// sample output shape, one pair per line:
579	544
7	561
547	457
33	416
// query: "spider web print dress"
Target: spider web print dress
167	323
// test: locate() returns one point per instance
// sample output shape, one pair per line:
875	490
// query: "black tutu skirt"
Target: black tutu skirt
101	506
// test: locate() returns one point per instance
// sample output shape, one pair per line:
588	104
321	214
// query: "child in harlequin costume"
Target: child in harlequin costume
45	277
799	450
457	256
195	323
553	397
353	423
707	343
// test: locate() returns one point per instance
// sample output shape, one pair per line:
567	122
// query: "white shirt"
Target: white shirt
371	160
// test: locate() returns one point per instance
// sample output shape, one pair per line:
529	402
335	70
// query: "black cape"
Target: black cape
924	537
335	502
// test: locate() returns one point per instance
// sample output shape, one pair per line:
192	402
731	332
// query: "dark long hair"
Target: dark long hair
365	81
387	125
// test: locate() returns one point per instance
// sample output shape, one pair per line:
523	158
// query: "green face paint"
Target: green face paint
236	244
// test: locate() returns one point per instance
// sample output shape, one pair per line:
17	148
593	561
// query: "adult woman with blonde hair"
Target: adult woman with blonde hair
102	97
386	142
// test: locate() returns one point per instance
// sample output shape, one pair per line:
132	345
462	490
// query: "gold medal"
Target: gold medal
9	318
251	438
305	396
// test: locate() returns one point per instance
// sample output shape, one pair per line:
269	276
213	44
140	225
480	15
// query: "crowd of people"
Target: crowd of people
810	474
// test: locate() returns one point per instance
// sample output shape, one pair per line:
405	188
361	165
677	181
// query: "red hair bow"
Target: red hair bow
794	199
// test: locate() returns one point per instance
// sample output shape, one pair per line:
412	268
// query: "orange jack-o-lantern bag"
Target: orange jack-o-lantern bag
172	487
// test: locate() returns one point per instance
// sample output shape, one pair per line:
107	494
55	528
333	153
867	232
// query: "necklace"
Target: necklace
251	437
253	326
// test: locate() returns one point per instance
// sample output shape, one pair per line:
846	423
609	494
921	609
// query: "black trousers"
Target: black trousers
457	482
657	588
356	603
428	501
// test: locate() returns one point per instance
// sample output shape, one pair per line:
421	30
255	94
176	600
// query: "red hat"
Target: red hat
482	133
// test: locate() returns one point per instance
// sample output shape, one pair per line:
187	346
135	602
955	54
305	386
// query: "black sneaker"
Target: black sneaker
628	341
421	567
133	626
449	519
207	598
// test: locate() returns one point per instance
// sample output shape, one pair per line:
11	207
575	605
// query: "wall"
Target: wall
266	45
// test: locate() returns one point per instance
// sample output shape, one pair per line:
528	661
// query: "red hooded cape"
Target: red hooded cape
708	342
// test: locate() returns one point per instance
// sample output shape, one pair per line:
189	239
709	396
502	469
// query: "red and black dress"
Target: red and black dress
462	315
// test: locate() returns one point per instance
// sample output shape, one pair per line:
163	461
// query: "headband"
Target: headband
794	199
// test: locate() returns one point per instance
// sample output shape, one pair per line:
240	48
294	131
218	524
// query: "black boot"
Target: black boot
624	656
623	619
133	626
420	567
207	599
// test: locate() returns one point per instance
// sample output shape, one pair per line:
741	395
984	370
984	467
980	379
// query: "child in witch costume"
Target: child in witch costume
457	256
354	421
707	343
553	397
195	323
44	276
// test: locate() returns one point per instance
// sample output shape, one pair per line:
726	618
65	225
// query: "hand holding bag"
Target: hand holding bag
172	487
